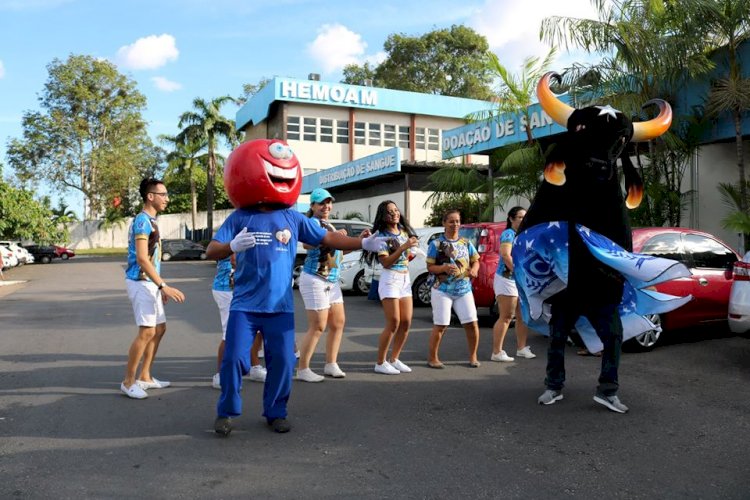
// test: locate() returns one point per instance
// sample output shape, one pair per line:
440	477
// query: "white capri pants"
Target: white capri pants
148	307
394	285
223	301
319	294
465	307
504	286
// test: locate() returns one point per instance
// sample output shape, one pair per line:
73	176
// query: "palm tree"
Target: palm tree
183	159
207	124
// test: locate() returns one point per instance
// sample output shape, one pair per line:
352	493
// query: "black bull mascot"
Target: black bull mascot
581	187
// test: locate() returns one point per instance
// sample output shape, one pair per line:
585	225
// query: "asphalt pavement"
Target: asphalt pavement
67	432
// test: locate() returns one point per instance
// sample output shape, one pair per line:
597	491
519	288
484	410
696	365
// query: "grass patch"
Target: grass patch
101	251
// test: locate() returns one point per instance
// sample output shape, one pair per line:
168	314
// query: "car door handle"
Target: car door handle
702	281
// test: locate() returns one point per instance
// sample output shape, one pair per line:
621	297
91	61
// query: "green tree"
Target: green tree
471	209
24	218
450	62
89	132
250	89
207	124
184	158
358	75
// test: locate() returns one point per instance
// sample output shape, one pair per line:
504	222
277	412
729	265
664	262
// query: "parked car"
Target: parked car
739	298
22	256
64	253
42	253
486	239
8	259
181	249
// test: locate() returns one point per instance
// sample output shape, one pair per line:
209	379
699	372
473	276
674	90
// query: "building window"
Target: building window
326	130
419	138
389	136
310	131
342	131
359	133
433	139
292	128
374	134
403	136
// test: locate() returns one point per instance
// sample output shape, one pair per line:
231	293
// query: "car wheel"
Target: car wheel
494	311
202	256
46	259
166	256
361	286
421	291
648	340
64	256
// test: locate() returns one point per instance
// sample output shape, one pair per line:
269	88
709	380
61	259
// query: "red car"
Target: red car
64	253
486	238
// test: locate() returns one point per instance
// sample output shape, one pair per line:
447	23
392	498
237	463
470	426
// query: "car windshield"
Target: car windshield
471	234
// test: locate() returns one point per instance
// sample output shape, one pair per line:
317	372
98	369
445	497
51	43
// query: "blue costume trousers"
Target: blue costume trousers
278	339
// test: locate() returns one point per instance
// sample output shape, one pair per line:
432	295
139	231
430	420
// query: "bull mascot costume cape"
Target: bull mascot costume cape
572	257
263	180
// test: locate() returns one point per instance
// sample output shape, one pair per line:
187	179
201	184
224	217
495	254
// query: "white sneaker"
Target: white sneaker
134	391
502	356
333	370
258	373
402	367
307	375
154	384
525	353
386	369
216	381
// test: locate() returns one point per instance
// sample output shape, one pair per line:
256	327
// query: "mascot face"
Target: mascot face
262	171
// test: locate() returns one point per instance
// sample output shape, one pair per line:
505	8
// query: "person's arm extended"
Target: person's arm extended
144	262
341	242
217	250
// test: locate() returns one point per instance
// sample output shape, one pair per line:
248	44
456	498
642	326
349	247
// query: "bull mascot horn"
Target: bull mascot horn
554	171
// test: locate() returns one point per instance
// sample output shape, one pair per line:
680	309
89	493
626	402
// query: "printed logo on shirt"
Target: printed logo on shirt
284	236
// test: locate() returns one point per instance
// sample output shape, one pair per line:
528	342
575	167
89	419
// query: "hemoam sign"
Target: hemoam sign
328	93
382	163
508	128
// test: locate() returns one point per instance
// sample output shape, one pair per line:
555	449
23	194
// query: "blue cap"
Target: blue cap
319	195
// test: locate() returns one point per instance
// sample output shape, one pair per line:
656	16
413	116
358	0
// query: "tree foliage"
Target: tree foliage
451	62
89	135
471	208
24	218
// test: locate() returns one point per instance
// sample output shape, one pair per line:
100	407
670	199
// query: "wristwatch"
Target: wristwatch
162	285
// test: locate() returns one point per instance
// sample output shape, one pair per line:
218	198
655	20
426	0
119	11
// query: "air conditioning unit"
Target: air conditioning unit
367	82
314	77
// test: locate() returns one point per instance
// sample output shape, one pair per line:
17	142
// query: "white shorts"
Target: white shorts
394	285
504	286
223	300
318	294
441	302
148	307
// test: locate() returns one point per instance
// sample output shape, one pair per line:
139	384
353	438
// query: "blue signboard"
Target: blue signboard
384	162
507	128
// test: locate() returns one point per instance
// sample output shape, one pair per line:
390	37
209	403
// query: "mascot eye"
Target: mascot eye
280	151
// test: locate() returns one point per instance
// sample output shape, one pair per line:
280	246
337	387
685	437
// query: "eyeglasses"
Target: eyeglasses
166	195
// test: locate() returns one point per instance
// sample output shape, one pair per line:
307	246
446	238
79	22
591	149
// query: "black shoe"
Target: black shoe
223	426
280	425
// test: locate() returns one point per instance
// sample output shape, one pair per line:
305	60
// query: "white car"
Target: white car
739	297
23	255
9	258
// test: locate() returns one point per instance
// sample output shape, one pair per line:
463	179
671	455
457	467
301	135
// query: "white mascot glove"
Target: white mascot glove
242	241
372	243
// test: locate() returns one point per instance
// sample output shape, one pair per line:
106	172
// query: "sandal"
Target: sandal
437	366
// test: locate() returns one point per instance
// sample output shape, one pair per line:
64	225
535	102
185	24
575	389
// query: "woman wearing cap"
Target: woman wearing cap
321	293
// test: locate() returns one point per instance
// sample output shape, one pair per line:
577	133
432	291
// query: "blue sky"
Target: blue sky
177	50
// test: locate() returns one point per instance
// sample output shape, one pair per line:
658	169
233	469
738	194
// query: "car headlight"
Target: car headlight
348	265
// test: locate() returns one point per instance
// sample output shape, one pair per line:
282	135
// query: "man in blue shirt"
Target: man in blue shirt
147	291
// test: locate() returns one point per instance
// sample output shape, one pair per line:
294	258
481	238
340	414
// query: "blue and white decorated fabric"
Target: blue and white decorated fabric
540	258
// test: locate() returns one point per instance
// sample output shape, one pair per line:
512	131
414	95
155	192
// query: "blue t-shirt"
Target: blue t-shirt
460	252
143	228
506	236
224	279
263	274
323	262
390	245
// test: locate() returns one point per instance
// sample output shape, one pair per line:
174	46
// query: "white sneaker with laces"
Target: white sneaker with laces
402	367
258	373
216	381
307	375
154	384
525	353
386	369
502	356
333	370
134	391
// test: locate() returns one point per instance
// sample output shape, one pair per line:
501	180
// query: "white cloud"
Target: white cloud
2	70
512	28
336	46
165	85
150	52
